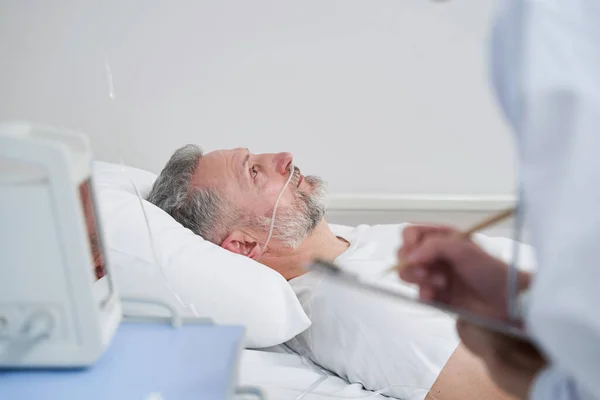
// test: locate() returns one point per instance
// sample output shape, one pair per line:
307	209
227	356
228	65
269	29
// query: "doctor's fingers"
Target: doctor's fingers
449	250
414	235
435	277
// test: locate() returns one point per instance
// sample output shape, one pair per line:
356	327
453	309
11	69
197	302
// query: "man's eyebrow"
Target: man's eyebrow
245	162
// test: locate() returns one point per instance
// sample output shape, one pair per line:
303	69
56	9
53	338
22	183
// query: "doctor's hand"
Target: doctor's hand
455	270
511	363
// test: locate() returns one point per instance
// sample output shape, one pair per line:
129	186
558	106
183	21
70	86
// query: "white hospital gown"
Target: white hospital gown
371	339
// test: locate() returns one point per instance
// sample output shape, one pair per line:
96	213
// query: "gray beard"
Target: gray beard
295	223
313	203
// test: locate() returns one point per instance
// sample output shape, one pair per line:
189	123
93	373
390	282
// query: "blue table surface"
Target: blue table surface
194	361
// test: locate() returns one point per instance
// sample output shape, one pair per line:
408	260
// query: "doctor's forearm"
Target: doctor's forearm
464	378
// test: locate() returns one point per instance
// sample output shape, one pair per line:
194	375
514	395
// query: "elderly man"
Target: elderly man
228	197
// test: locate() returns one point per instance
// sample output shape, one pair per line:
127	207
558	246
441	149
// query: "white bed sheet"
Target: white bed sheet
282	375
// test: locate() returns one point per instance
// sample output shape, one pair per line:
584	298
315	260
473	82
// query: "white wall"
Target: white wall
386	96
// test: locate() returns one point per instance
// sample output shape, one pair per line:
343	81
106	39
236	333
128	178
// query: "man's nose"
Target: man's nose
283	161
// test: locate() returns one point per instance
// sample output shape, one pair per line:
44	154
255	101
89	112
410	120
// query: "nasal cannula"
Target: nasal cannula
274	214
190	306
324	375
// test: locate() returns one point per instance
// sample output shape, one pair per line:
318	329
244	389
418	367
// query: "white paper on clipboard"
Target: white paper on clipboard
339	275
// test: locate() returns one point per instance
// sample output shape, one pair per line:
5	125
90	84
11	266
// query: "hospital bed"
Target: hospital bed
280	373
284	375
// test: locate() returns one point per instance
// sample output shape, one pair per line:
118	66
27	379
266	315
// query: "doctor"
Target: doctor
546	71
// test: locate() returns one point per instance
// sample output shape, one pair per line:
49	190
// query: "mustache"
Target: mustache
296	176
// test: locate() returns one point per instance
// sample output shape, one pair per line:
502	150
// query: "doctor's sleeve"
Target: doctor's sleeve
562	192
553	384
559	134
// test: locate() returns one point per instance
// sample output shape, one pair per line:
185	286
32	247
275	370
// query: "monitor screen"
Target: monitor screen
91	222
103	288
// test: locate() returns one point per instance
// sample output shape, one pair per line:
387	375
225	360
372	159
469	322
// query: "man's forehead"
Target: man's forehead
214	168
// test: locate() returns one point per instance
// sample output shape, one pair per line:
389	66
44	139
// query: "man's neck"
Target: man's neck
321	244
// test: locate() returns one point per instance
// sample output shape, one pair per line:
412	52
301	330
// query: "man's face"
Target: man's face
252	182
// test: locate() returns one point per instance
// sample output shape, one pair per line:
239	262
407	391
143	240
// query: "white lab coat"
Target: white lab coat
546	71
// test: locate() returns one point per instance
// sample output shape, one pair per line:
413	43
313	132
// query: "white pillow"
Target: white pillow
229	288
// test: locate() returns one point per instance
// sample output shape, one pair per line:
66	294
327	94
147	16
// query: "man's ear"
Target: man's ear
242	243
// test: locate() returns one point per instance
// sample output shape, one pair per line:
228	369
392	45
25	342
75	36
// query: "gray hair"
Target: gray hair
202	210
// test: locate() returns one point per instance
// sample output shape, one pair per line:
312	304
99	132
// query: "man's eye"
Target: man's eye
254	172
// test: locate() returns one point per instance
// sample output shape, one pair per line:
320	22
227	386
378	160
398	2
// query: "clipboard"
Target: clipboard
340	276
